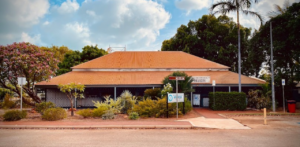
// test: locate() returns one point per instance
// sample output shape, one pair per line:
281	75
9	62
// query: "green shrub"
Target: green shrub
134	115
7	103
14	115
98	112
3	93
43	106
156	108
110	104
109	114
259	100
153	93
52	114
85	113
227	101
187	105
127	101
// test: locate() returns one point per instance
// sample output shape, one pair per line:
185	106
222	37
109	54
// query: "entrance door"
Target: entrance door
196	99
205	102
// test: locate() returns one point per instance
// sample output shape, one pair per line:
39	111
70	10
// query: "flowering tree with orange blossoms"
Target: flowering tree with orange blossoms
29	61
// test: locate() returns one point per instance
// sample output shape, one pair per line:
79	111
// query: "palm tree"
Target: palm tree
228	6
279	10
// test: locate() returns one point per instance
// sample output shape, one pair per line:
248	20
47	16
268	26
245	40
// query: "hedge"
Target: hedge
227	101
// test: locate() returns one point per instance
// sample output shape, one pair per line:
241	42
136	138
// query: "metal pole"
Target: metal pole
214	98
239	45
176	98
115	93
21	94
283	98
75	100
272	69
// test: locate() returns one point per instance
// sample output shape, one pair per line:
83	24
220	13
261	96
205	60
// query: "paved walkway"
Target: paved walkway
215	123
208	113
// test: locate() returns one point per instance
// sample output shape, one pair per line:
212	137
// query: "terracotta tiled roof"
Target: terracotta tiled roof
151	59
141	78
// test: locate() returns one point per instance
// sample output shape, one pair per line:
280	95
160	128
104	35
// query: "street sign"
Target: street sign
172	97
213	83
21	80
176	78
283	82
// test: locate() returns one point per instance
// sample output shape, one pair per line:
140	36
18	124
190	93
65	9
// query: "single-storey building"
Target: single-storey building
139	70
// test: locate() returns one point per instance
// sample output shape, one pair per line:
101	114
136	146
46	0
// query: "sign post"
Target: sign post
214	84
283	83
181	78
21	82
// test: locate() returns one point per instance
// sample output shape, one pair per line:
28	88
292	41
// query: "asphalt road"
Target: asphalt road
151	138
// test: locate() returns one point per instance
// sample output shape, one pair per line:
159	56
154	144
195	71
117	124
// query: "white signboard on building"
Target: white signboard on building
172	97
201	79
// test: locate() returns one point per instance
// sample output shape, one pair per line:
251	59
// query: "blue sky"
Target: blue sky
138	24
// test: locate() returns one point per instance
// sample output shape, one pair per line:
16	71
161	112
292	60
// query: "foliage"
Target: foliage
58	52
212	38
3	92
98	112
43	106
25	60
127	100
85	113
7	103
134	116
227	100
145	108
286	44
72	90
187	105
158	108
14	115
53	114
153	93
110	104
167	89
183	86
109	114
259	100
76	57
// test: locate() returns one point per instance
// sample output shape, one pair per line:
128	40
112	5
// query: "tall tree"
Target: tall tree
73	58
286	42
214	39
25	60
58	52
228	6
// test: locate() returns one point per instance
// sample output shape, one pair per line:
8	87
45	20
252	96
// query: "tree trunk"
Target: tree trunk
72	112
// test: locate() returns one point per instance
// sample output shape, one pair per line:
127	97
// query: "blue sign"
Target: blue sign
172	97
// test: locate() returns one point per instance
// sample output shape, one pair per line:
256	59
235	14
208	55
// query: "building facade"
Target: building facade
137	71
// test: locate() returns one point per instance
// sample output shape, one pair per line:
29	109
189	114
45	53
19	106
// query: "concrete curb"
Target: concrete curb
40	127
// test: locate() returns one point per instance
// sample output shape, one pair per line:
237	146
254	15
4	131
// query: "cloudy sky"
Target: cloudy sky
136	24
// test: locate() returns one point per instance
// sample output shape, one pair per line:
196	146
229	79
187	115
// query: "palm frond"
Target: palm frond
254	14
225	7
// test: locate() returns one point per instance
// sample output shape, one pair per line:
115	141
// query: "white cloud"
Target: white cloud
68	6
46	23
263	7
135	24
189	5
36	39
19	16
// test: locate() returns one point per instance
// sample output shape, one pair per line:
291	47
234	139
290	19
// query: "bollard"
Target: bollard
265	116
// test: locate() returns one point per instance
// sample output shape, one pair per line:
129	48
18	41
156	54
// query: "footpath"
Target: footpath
207	119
